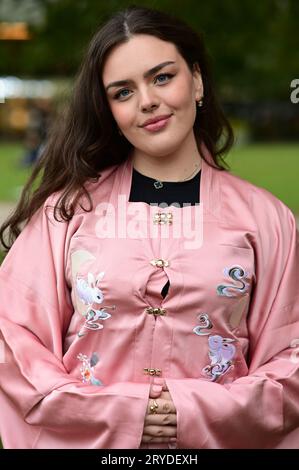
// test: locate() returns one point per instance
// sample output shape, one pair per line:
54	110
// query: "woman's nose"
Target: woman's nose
148	101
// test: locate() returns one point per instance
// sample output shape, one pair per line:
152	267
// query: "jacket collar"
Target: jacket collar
209	194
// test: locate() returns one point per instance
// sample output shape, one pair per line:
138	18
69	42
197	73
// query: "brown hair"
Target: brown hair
86	140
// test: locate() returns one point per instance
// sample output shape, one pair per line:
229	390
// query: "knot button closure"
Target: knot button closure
163	218
152	371
156	311
159	263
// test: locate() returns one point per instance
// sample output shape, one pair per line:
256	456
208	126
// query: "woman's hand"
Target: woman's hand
161	426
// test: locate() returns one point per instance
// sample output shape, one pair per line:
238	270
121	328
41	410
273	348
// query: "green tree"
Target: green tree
254	46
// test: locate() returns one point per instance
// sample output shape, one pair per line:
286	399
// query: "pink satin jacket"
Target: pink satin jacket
85	330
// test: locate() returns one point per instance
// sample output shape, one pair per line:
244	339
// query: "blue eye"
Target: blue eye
168	75
119	94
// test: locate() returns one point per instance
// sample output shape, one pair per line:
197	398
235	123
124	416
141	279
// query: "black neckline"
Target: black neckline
170	183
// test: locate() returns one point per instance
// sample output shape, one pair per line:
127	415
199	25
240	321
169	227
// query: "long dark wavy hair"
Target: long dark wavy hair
86	139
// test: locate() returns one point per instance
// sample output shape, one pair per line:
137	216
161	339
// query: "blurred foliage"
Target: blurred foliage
254	45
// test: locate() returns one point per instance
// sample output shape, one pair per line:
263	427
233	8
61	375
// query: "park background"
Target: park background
254	51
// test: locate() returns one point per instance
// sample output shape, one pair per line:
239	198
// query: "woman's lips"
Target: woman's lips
156	126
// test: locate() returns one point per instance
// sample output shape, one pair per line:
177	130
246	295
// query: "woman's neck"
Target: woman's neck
180	166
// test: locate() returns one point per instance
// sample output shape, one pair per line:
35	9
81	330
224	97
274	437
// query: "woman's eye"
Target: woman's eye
168	75
120	95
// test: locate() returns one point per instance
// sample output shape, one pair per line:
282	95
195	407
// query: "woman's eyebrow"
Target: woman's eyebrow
145	75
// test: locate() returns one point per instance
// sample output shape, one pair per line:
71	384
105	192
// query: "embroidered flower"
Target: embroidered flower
221	353
89	293
238	274
205	324
87	368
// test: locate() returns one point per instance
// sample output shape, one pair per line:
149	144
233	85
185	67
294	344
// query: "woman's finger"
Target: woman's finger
155	391
164	406
160	431
156	440
161	420
160	381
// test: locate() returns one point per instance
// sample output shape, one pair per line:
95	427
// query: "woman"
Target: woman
132	325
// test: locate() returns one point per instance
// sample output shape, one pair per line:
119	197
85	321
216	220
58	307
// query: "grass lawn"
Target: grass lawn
272	166
275	166
12	175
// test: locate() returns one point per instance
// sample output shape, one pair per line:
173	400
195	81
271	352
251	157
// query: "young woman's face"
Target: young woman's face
171	90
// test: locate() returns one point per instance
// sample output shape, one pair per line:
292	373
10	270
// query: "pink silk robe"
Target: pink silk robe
78	327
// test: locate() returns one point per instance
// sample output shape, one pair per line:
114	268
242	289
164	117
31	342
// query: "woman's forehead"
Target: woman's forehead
141	52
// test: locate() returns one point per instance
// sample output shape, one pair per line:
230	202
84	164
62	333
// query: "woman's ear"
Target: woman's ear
197	79
196	67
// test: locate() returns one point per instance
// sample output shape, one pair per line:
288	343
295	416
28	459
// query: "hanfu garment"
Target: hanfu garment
143	189
85	329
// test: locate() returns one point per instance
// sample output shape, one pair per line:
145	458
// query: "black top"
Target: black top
172	193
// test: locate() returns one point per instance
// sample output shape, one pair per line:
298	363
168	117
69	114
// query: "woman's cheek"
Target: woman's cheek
182	94
124	116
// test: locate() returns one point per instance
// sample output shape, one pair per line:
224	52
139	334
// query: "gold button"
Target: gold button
163	218
152	371
157	218
159	263
156	311
166	218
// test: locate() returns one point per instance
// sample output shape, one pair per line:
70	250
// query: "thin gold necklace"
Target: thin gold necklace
158	184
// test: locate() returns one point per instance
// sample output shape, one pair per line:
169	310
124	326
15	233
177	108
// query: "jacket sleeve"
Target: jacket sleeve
35	311
261	409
